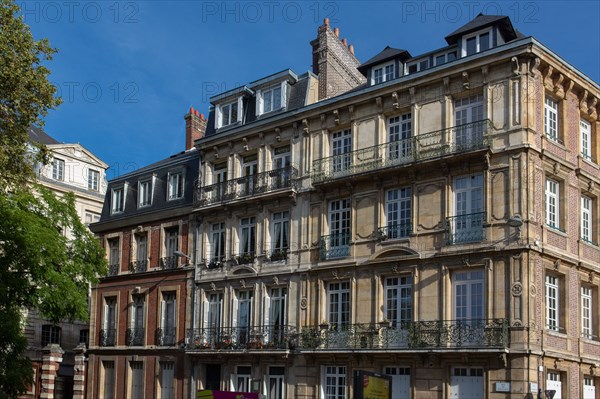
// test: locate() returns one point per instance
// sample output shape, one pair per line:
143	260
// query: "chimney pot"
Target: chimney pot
337	32
326	22
202	116
191	110
195	127
345	41
351	48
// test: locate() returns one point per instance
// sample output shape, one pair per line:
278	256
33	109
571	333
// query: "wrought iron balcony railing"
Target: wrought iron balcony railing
108	337
113	270
168	262
243	338
277	254
395	231
335	246
480	333
166	336
215	262
465	228
138	266
259	183
135	336
462	138
245	258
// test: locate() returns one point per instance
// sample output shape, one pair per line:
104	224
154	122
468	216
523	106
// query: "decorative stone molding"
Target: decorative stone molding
516	68
583	106
395	100
412	93
351	112
446	82
517	289
336	117
465	77
484	74
379	104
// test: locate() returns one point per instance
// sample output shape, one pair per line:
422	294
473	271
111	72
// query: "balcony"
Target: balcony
248	186
335	246
168	262
278	254
416	335
395	231
135	336
166	336
245	258
108	337
458	139
139	266
465	228
113	270
242	338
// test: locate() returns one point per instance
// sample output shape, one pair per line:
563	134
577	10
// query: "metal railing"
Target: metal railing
465	228
113	270
245	258
108	337
135	336
335	246
166	336
395	231
478	333
243	337
168	262
259	183
468	137
215	262
278	254
138	266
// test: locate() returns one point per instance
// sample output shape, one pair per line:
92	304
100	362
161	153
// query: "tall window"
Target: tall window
335	382
243	314
282	160
398	300
339	223
141	243
93	179
341	147
137	331
249	171
552	203
171	241
243	375
91	217
477	43
399	212
399	138
229	114
145	193
551	119
467	223
109	379
468	295
552	302
586	139
212	316
586	312
50	334
271	99
117	203
168	318
586	219
467	112
113	255
109	322
167	380
275	313
175	185
338	304
383	73
248	236
58	169
280	231
217	243
276	383
137	379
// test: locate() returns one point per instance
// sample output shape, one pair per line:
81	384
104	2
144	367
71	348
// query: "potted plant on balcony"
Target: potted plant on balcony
385	323
245	259
324	325
278	254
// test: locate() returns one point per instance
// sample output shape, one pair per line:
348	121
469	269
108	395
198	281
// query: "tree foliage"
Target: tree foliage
48	258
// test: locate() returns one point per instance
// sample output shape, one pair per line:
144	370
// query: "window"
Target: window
400	138
109	322
217	244
108	367
335	382
229	114
400	380
212	317
167	380
282	161
589	389
552	203
141	252
113	256
280	232
117	200
175	185
145	193
276	385
338	305
93	179
171	241
271	99
383	73
341	146
467	223
469	123
248	236
167	335
477	43
469	295
398	212
136	333
249	170
91	217
586	219
84	336
137	379
551	119
586	313
275	314
58	169
242	315
553	383
552	302
338	242
50	334
418	66
398	301
586	139
242	379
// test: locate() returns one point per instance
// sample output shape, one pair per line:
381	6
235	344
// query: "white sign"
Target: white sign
533	387
503	387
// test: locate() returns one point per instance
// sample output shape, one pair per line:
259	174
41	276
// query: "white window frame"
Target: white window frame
334	381
552	203
551	128
278	379
587	219
241	382
217	242
421	65
226	109
93	179
587	319
399	300
552	302
341	150
477	35
388	72
271	92
176	185
469	286
339	303
585	130
248	243
145	189
58	169
109	317
114	253
168	313
280	240
398	212
117	200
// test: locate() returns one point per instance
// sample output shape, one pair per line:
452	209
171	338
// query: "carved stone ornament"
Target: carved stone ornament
465	77
303	303
532	290
275	280
336	116
556	264
515	66
213	286
517	289
395	100
583	106
243	283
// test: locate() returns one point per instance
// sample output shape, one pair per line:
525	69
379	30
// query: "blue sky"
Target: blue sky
129	70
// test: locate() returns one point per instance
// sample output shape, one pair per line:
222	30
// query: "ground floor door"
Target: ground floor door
400	381
213	377
466	383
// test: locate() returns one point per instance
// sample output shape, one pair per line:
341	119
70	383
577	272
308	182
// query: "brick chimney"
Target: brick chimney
195	127
334	62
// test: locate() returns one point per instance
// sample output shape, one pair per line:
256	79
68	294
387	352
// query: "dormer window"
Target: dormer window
383	73
117	200
228	114
477	42
145	193
272	99
418	66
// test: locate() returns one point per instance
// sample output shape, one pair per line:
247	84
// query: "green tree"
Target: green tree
41	267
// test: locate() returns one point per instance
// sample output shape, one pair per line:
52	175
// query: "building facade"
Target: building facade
432	218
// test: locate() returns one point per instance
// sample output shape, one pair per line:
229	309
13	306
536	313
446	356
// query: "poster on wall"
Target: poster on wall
370	385
210	394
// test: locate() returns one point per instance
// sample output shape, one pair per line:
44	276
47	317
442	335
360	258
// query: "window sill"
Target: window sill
556	230
590	243
272	112
591	338
556	331
554	140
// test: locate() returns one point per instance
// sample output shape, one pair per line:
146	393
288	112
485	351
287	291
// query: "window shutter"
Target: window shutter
218	117
234	312
163	313
267	310
259	102
105	324
240	108
205	315
284	86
